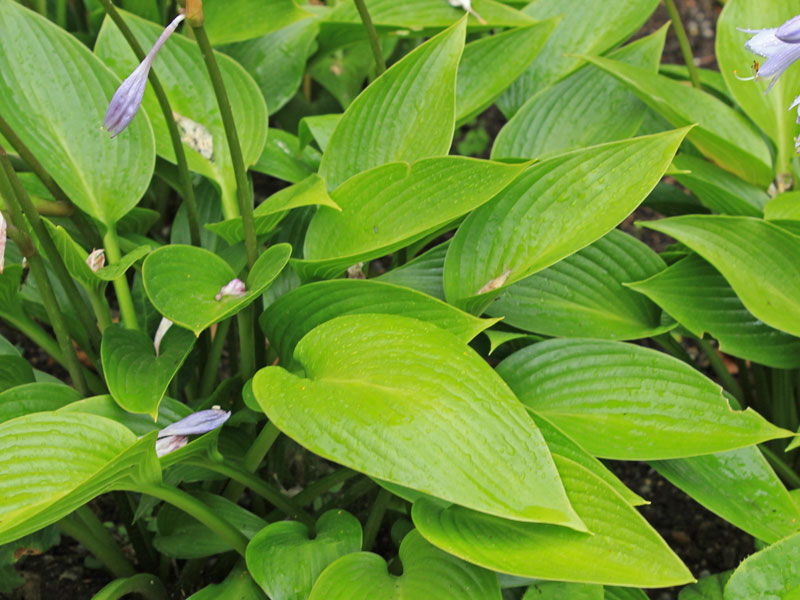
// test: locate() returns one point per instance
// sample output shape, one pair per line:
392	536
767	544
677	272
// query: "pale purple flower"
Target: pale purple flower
176	436
128	97
163	327
234	288
3	228
96	260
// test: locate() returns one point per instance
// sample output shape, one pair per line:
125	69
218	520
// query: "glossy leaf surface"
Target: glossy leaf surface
622	549
647	404
555	208
54	94
747	250
385	394
427	573
182	281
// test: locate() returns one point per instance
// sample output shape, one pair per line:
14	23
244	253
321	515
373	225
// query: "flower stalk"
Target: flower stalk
683	42
372	36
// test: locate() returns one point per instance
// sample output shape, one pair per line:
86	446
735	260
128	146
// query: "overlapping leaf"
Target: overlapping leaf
771	573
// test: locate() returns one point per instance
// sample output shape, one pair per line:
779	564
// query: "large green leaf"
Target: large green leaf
623	593
647	404
34	397
234	20
622	549
706	588
406	114
296	313
182	281
394	205
427	573
698	297
423	274
286	563
754	256
480	82
555	208
285	159
54	94
717	189
277	60
771	111
586	27
587	108
741	487
14	371
137	376
169	411
584	296
183	74
386	395
722	134
559	590
771	573
238	584
52	463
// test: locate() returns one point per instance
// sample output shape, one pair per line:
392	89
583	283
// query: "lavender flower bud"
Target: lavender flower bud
3	229
128	97
196	423
96	260
234	288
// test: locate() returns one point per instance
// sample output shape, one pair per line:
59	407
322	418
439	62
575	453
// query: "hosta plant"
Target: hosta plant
343	357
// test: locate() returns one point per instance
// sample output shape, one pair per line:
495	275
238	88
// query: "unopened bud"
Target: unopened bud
194	12
96	260
234	288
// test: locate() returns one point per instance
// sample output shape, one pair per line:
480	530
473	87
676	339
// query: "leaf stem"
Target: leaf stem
247	342
683	41
53	256
187	190
673	348
372	35
243	194
728	381
144	584
375	518
124	298
318	488
254	456
102	546
200	511
211	370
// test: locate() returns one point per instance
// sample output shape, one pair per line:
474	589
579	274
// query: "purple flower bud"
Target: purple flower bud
196	423
96	260
170	444
128	97
3	228
235	288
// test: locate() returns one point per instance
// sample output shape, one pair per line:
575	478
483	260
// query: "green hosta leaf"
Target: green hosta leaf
647	404
182	281
559	590
29	398
112	272
583	295
238	585
747	250
408	113
103	455
717	189
14	371
623	593
586	27
555	208
707	588
317	128
286	563
587	108
294	314
310	191
235	20
563	445
74	257
54	94
784	210
771	111
741	487
698	297
723	134
771	573
622	549
182	536
480	82
391	206
423	274
285	159
169	411
276	60
183	74
136	375
381	395
427	573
